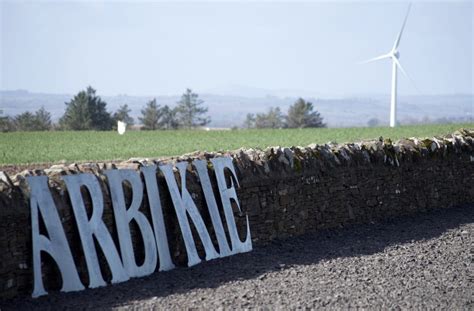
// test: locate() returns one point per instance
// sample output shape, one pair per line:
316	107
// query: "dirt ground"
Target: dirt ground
421	262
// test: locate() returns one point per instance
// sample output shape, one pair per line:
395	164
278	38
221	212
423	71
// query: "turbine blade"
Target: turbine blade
397	41
405	73
375	59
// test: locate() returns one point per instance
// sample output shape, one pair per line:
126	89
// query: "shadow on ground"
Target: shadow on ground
351	241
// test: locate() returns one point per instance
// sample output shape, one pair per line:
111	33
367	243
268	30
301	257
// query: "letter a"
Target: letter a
88	228
41	203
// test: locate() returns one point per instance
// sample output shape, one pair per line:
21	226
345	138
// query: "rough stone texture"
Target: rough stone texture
285	191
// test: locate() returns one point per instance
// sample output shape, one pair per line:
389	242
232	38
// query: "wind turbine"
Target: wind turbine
394	55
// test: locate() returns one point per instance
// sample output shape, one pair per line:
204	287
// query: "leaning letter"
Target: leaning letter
94	227
183	203
149	172
124	216
220	164
41	203
201	167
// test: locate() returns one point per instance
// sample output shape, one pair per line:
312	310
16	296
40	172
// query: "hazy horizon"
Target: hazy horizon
253	92
244	48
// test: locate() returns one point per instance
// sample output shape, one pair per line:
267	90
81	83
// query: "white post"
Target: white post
393	100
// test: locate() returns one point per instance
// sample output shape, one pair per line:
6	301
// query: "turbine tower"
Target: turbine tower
394	55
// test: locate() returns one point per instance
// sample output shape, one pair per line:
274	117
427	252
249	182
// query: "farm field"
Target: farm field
47	147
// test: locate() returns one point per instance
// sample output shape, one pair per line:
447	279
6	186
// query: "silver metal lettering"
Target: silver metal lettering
183	203
123	216
227	194
88	228
149	172
41	203
201	167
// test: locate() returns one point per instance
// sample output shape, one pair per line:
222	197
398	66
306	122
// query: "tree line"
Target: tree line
27	121
300	115
87	111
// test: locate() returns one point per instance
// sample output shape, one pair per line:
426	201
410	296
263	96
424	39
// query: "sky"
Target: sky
162	48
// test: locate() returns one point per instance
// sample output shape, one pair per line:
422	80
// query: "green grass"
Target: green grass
38	147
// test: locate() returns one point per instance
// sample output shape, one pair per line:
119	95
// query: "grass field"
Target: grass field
38	147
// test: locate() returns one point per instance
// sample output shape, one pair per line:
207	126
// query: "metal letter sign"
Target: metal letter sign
122	264
149	172
183	203
123	216
227	194
201	167
41	202
94	227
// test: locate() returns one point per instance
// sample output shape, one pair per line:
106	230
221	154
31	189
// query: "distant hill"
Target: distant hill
230	110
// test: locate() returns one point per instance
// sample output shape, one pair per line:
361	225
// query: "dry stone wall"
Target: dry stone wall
284	191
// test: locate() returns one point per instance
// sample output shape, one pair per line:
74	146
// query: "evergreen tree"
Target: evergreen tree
151	116
42	120
6	124
272	119
190	112
168	119
301	115
25	121
123	114
77	115
249	121
86	111
101	119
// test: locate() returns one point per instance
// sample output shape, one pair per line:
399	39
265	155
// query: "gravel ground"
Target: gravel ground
421	262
